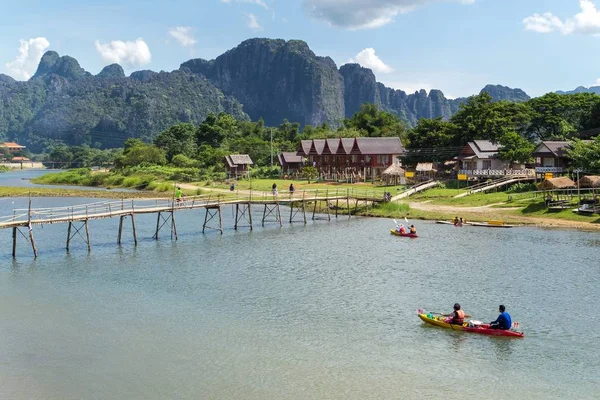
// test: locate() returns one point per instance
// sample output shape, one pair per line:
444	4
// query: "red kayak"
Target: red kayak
482	329
410	235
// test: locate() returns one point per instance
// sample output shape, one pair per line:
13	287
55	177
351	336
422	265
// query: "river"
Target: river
318	311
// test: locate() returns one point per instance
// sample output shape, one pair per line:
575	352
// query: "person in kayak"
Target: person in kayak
413	230
401	229
456	220
457	317
503	321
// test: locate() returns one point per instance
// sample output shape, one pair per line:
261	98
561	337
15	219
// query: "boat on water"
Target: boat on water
450	223
471	326
491	224
409	235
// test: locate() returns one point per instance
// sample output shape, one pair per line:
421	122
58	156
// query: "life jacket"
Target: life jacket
459	317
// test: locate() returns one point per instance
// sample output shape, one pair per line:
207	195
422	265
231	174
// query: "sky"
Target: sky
457	46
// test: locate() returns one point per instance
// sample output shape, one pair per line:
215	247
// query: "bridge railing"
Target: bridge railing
125	206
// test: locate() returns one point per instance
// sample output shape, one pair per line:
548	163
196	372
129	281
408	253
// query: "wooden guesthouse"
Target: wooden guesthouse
354	159
291	163
238	165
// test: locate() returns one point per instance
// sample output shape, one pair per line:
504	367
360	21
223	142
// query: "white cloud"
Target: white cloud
364	14
26	62
130	53
260	3
183	35
587	22
368	59
252	22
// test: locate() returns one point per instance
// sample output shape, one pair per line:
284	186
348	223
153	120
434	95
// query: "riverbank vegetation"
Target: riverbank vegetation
11	191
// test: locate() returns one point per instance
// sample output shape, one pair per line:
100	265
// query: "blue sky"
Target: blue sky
457	46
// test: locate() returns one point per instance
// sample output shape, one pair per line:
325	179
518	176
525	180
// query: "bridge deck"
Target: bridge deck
111	209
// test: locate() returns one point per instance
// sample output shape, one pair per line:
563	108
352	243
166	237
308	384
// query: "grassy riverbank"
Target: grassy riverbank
10	191
434	204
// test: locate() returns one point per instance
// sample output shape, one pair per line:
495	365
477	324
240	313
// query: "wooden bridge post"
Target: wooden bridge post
33	246
14	244
120	229
327	204
337	202
250	215
237	211
315	205
264	215
87	235
157	226
220	220
205	220
173	226
304	210
133	227
348	202
69	234
31	230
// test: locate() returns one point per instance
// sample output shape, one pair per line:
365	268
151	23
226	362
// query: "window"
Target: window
382	159
487	164
548	162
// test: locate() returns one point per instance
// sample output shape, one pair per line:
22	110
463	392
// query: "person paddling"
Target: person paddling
503	321
457	317
413	230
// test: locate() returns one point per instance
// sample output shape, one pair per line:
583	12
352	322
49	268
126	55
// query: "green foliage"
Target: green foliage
266	172
372	122
137	153
482	118
585	155
515	149
310	173
182	161
178	139
429	140
521	187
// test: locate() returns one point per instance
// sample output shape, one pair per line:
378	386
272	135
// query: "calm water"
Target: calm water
322	311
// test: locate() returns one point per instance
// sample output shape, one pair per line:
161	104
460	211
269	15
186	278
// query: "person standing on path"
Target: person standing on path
274	189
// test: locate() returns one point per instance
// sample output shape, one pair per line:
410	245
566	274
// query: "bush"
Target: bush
521	187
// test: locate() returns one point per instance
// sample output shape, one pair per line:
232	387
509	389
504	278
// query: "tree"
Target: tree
515	148
585	155
310	172
141	153
216	128
372	122
482	118
178	139
430	140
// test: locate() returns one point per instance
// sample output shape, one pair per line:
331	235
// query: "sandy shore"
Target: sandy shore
483	213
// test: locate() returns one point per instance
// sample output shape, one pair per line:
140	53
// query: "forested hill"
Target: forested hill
64	102
272	79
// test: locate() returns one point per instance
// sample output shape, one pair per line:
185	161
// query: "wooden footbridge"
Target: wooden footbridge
78	217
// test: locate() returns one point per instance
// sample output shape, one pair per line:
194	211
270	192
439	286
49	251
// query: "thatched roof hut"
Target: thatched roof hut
393	170
557	183
590	181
